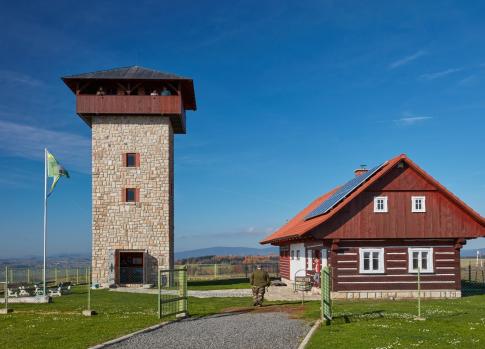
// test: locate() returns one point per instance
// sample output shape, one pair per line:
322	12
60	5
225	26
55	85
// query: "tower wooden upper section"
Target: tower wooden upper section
133	91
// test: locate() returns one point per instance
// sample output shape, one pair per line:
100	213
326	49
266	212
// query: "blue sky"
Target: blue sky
292	96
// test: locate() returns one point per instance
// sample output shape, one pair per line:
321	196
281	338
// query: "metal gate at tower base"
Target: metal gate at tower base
172	292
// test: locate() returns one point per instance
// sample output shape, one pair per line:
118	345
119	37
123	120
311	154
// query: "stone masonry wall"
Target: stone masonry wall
148	224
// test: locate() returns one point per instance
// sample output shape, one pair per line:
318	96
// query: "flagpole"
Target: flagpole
45	218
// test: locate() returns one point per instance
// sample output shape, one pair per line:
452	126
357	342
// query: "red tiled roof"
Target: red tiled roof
298	226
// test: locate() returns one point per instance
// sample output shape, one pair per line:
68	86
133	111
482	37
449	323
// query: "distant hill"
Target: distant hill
84	259
59	260
472	252
227	251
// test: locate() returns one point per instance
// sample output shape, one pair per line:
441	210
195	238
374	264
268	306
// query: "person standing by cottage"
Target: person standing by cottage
259	280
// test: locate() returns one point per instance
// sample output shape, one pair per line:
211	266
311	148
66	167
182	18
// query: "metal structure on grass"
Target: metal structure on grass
172	292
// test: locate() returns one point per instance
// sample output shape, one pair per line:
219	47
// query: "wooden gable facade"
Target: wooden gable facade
443	217
353	235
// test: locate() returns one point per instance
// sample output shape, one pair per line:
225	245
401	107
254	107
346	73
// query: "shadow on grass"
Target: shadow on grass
354	317
289	307
472	288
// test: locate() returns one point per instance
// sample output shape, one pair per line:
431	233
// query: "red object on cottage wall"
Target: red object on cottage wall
285	262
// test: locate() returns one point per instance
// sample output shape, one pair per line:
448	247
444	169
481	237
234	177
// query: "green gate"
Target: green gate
326	287
172	292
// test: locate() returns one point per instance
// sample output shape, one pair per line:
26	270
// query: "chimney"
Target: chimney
361	170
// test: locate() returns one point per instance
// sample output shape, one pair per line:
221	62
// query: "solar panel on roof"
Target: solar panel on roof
342	192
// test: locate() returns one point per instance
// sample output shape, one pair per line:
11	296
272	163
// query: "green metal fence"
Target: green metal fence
326	301
172	292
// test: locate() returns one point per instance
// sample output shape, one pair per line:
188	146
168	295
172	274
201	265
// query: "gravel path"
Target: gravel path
231	330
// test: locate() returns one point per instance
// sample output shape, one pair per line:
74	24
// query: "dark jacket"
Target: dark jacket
259	278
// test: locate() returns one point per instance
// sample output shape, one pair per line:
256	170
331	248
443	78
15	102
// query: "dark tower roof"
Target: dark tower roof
132	72
137	73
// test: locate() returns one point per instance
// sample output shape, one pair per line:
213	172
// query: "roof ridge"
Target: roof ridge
99	71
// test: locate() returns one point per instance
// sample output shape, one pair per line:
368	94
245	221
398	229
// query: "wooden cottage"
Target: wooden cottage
377	230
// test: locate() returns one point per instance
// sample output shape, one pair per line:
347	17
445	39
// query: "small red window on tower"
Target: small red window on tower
131	159
131	195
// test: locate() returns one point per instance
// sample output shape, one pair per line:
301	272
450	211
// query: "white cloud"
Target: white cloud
440	74
468	81
19	78
407	59
28	142
411	120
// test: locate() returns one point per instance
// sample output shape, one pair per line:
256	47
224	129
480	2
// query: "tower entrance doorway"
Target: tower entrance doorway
131	267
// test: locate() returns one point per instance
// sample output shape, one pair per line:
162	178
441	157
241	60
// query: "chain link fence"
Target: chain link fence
54	275
472	277
79	276
228	271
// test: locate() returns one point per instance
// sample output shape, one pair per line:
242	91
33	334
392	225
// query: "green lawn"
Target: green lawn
365	324
456	323
61	325
203	285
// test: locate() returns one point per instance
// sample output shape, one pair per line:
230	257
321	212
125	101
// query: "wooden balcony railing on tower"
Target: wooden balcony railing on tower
107	104
89	105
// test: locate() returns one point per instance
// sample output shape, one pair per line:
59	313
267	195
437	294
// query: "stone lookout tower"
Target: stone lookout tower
134	113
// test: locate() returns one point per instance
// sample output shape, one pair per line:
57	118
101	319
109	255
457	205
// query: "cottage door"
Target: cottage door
317	261
297	260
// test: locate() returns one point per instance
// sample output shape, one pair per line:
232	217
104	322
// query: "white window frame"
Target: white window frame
414	199
384	201
430	258
381	267
309	259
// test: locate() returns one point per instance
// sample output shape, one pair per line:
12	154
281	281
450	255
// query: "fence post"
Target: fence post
55	274
469	272
159	295
89	312
322	275
77	276
89	291
67	276
215	271
419	292
6	289
419	295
